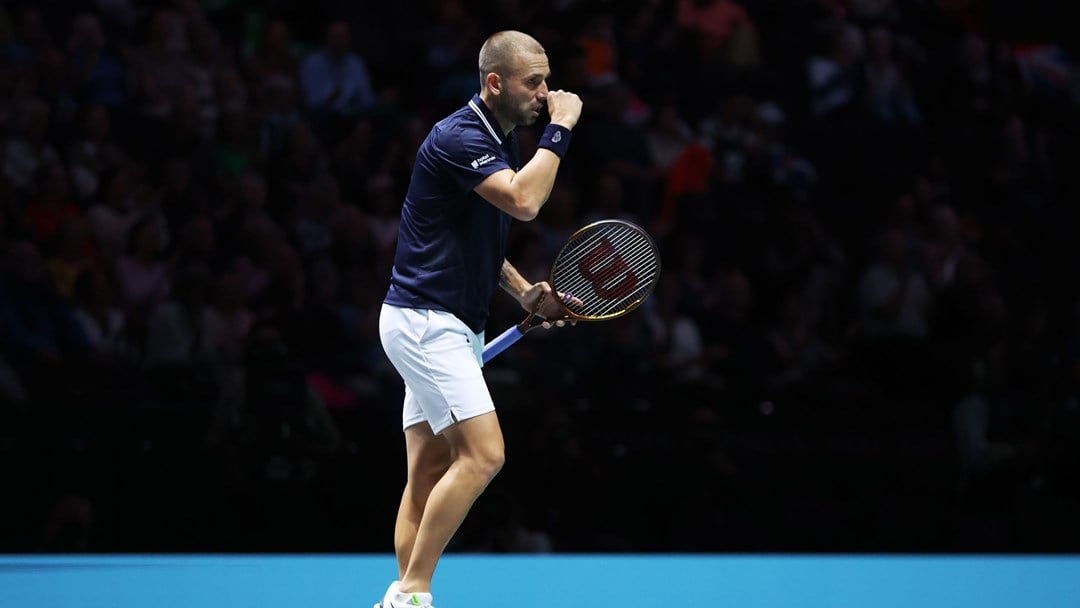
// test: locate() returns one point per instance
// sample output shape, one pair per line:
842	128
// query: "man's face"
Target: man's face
524	94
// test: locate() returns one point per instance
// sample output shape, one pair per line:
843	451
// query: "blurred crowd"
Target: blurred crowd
866	336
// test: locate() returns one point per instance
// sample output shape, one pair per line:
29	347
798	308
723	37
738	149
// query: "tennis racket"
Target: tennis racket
604	270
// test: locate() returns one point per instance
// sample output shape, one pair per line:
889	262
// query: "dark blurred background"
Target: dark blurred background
866	338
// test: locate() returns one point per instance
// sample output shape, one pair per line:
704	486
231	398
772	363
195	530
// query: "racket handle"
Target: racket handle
501	343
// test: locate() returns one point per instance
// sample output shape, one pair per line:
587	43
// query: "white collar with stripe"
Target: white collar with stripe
484	119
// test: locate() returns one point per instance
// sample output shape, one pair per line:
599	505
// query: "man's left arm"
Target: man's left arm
528	294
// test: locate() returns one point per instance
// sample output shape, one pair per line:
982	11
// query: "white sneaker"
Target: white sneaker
396	599
391	590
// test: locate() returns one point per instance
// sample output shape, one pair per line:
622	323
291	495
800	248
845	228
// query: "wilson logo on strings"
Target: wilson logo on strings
609	274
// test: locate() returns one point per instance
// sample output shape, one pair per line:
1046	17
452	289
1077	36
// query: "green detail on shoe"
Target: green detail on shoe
414	600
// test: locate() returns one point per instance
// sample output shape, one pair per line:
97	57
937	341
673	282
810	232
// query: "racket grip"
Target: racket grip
501	343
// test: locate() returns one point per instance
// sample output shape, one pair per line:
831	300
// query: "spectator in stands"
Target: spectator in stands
51	204
384	213
798	351
312	228
680	350
276	58
894	297
335	79
277	115
38	326
450	37
230	303
101	319
110	217
163	69
96	75
835	79
31	39
721	30
29	149
599	46
142	273
70	252
668	135
184	328
609	200
888	92
93	153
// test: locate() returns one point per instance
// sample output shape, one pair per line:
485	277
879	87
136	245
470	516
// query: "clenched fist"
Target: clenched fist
564	108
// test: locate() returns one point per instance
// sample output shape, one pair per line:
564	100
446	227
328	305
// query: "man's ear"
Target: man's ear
493	83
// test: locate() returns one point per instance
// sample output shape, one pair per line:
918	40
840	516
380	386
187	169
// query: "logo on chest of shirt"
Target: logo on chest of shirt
483	160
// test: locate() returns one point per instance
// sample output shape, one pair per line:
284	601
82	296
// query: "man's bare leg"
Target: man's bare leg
428	457
476	454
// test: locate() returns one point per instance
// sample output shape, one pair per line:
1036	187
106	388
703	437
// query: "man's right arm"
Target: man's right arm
521	194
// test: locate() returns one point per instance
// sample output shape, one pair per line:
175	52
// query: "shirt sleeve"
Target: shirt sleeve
468	156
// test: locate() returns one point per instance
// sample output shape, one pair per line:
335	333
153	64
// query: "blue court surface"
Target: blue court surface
498	581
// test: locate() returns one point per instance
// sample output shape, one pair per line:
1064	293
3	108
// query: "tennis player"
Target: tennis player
467	185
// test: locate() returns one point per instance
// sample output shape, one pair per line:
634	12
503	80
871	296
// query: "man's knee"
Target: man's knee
487	462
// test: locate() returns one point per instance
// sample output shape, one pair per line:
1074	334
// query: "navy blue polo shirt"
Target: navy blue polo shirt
451	242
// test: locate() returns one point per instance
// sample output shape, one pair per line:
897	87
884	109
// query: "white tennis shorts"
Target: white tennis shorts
439	358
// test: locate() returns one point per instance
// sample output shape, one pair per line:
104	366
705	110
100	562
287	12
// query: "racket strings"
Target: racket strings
629	252
638	261
636	255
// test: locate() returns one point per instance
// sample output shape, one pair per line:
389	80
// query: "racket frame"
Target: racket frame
534	319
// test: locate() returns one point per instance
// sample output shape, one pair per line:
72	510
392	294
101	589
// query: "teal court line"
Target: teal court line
517	581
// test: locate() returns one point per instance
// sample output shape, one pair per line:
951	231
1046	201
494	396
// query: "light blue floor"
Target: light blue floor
550	581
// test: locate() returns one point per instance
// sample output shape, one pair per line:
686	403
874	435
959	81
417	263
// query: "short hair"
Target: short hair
499	50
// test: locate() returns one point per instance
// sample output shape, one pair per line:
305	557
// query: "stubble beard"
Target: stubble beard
521	117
